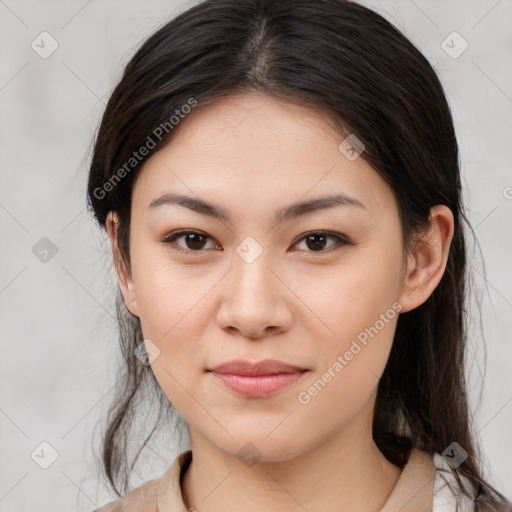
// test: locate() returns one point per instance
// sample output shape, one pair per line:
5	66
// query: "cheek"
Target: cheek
352	363
170	297
358	308
173	315
343	300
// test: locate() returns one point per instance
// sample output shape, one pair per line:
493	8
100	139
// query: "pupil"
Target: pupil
191	241
313	237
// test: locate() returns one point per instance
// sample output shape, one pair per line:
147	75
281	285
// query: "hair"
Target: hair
346	60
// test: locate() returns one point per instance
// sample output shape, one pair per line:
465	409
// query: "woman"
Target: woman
280	184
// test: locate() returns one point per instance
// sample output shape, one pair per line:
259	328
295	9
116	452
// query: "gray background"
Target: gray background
58	333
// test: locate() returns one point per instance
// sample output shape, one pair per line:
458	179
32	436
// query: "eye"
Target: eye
316	240
195	241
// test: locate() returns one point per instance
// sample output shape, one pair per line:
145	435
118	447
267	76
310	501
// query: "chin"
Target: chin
251	448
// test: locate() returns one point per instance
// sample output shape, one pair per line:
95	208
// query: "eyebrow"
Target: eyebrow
288	212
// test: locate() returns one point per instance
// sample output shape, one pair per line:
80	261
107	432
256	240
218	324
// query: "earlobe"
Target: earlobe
425	268
124	277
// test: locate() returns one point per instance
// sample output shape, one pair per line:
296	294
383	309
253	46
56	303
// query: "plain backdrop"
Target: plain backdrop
59	344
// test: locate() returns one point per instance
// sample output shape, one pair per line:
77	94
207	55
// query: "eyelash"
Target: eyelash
170	240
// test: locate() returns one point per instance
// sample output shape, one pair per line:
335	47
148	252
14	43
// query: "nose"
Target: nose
256	300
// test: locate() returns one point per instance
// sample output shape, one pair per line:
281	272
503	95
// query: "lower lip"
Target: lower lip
258	385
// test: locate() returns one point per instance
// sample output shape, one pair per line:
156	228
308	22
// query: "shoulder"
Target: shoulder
158	494
448	495
141	499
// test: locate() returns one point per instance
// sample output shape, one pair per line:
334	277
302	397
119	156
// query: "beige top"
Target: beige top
412	493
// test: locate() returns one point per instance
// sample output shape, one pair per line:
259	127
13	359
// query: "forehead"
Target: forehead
259	152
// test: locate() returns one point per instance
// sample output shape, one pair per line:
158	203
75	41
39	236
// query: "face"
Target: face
316	288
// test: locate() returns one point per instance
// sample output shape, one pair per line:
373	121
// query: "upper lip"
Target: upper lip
266	367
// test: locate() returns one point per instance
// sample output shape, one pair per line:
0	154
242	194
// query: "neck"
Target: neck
347	468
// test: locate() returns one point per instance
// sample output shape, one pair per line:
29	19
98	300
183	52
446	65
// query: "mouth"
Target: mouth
257	379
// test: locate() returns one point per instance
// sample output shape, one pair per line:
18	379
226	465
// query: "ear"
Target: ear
426	266
124	277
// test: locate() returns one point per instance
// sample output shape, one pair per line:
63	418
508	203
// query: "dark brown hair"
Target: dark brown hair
354	65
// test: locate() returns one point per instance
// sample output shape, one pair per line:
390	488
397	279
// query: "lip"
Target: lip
257	379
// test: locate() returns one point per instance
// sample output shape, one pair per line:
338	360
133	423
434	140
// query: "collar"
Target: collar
412	493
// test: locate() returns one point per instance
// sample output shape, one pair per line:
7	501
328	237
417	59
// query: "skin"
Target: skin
298	303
